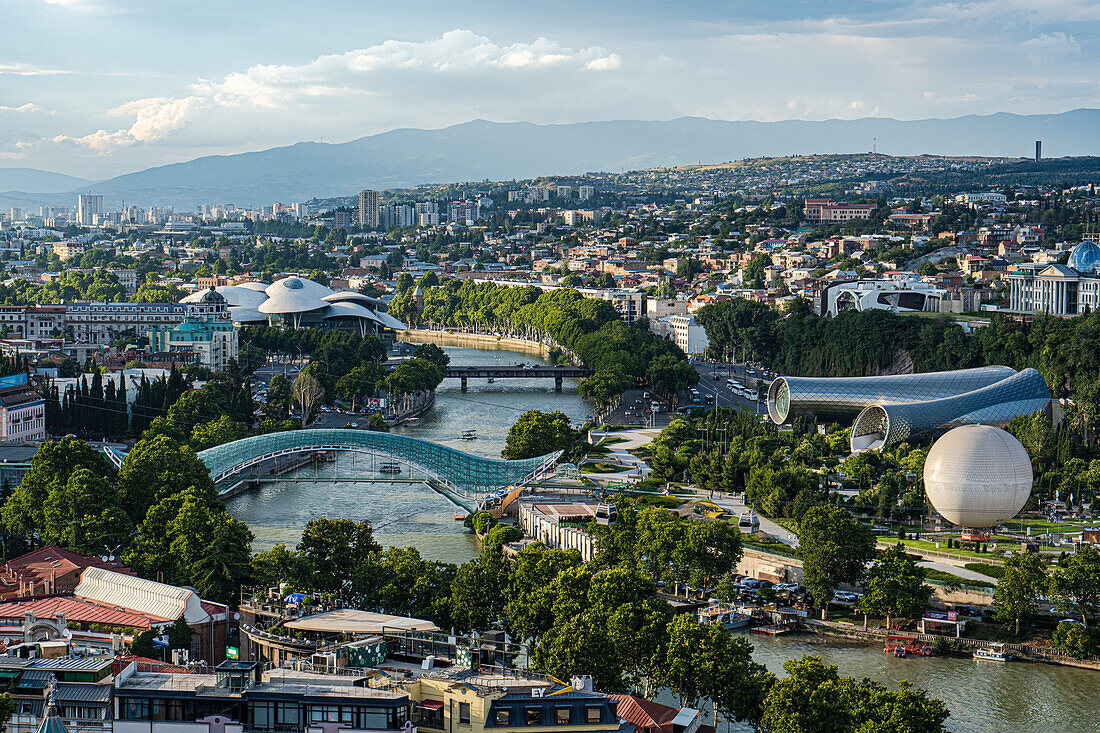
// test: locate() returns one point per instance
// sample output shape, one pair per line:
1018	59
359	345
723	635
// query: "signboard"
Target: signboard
941	615
13	381
232	652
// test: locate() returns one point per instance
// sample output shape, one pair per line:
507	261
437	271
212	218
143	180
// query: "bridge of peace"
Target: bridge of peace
468	480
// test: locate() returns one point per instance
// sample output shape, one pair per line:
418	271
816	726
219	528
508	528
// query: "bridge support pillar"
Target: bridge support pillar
557	384
463	384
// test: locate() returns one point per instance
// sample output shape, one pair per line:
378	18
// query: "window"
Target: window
593	713
563	715
464	713
503	718
534	716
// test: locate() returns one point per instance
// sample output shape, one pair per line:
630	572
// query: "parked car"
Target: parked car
845	597
792	587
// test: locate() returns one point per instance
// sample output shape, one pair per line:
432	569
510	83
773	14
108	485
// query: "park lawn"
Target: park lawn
945	578
601	467
925	545
775	548
610	440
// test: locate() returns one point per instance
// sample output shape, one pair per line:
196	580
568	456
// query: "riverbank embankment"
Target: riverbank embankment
487	342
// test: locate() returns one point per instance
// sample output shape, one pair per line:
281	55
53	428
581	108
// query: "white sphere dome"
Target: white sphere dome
977	476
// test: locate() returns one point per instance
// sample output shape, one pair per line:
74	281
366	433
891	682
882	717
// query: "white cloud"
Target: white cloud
609	62
1050	48
28	107
155	119
20	69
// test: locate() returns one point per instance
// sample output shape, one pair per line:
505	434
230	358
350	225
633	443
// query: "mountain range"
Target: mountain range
482	150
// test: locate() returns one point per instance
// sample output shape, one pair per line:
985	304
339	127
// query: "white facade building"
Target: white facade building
688	335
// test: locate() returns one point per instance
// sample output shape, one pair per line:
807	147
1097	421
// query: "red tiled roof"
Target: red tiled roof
644	714
38	564
75	610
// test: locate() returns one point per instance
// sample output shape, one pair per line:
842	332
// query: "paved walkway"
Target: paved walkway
636	469
736	507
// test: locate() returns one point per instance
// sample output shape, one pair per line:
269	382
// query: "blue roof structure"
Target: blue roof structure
1085	257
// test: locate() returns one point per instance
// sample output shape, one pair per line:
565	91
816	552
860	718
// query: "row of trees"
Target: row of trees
590	328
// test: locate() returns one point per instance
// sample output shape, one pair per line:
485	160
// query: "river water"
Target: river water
412	515
982	696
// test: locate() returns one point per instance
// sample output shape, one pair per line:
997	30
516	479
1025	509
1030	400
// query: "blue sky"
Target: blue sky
101	87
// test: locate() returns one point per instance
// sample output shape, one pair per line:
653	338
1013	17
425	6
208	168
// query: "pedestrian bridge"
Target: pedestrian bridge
467	475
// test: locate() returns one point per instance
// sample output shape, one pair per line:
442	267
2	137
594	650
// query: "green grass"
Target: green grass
775	548
610	440
925	545
993	571
601	467
949	579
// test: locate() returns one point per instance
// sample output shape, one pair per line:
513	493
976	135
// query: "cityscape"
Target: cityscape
461	368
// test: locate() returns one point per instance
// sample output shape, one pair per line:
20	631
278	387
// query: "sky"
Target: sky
98	88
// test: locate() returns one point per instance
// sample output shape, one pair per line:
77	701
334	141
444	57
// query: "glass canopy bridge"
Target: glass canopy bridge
462	477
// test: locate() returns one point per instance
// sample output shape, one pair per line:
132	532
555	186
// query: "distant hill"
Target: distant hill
32	179
481	150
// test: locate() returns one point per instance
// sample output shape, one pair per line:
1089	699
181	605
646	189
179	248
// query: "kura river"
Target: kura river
982	696
410	514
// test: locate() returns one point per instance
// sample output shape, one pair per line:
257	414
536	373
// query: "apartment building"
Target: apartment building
22	411
821	211
368	209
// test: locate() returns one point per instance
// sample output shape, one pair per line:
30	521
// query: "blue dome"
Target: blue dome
1085	257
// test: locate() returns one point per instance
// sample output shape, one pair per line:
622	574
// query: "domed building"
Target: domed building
298	302
1085	258
977	477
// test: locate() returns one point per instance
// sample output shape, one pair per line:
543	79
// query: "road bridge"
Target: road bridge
557	373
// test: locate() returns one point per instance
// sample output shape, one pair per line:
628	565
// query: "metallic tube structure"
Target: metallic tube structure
882	425
845	397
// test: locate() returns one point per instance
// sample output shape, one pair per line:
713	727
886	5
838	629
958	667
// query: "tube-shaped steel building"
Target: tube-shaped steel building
886	424
890	409
846	397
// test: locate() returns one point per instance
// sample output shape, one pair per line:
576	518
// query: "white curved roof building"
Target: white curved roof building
298	302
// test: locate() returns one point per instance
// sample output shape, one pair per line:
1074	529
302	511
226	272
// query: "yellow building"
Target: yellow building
471	702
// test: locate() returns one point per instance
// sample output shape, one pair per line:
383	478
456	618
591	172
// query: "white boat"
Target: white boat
469	435
723	614
389	468
995	652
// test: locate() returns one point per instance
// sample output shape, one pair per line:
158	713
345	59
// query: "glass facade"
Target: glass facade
890	409
471	476
845	397
882	425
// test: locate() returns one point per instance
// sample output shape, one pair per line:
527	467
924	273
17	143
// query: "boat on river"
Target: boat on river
469	435
724	614
902	645
995	652
389	468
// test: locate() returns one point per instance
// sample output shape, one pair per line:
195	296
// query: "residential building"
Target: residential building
100	323
687	334
368	209
22	410
88	207
826	210
630	304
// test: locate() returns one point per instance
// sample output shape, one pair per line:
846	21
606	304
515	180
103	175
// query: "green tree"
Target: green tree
835	548
278	565
538	433
156	468
668	375
180	635
814	698
1018	589
1073	639
53	464
84	515
477	593
333	549
895	586
432	353
1076	584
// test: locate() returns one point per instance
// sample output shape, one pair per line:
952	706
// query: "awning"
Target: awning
431	704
